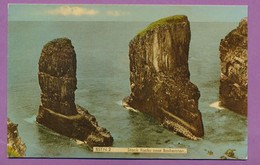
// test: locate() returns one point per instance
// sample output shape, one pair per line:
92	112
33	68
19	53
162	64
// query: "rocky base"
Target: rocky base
233	80
172	103
193	129
82	126
14	142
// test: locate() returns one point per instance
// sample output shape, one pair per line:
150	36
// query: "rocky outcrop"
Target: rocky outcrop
233	80
16	148
57	79
160	78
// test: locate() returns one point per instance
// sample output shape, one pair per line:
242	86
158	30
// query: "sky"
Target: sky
130	13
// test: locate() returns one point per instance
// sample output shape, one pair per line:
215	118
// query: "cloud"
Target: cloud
117	13
72	10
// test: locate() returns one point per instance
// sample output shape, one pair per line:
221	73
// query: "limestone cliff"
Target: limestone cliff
57	79
16	148
233	80
160	78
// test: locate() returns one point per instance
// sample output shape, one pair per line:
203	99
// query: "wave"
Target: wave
216	105
120	102
127	106
31	119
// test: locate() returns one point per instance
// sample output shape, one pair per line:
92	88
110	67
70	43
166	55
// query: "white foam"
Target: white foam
120	102
31	119
216	105
79	141
131	109
126	106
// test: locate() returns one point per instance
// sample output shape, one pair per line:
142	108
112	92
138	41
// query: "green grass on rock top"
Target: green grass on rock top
164	21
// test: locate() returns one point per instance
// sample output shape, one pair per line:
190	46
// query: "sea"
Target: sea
103	82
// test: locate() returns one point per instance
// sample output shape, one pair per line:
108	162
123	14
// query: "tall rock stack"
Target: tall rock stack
233	80
57	79
160	78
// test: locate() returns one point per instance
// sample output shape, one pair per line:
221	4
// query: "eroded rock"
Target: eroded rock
160	78
57	76
57	79
230	153
16	148
233	80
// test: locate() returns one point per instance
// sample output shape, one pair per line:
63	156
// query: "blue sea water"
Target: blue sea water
103	81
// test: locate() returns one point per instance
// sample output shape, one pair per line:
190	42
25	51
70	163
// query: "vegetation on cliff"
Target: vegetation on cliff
11	152
164	21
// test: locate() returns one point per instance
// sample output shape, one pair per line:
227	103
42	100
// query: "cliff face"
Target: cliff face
160	79
16	147
57	79
233	80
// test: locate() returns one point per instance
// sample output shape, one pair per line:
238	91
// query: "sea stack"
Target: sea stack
57	80
233	79
15	146
160	78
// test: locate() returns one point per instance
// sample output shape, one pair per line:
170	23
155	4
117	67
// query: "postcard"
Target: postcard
127	81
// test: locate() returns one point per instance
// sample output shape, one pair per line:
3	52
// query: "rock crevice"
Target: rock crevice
160	78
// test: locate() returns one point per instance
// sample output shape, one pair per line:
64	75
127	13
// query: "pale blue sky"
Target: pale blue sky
148	13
